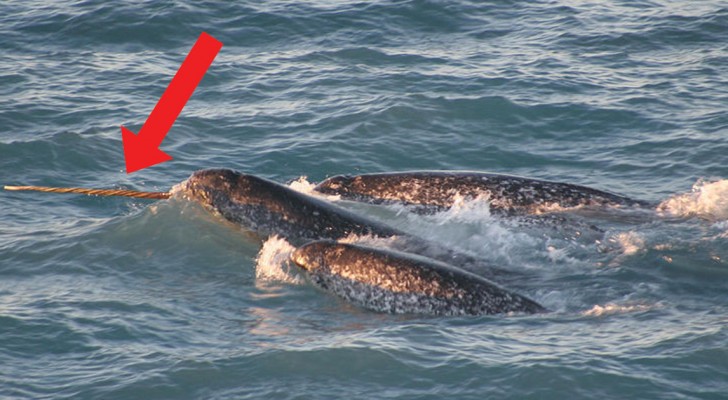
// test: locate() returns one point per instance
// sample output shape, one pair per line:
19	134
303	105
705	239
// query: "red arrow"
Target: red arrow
142	150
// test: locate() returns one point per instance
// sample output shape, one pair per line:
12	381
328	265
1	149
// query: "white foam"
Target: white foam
303	185
467	207
557	255
178	189
612	308
630	242
470	227
272	263
722	227
369	240
552	208
707	200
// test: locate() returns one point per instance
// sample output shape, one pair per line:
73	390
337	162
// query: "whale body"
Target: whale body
401	283
266	208
441	189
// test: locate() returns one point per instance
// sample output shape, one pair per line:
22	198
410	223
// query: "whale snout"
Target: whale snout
203	186
213	178
310	256
300	257
217	187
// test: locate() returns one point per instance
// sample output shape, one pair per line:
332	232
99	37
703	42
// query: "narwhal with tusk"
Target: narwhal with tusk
267	208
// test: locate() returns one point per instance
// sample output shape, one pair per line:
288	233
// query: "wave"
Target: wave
272	262
304	186
468	227
613	308
707	200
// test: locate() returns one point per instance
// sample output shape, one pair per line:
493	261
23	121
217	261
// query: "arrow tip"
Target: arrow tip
140	153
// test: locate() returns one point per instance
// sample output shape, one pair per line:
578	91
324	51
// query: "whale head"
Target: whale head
206	186
311	256
218	189
254	203
269	208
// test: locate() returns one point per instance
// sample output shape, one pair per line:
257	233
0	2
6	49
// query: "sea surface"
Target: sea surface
116	298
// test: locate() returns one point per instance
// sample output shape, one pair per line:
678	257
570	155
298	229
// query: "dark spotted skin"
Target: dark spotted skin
401	283
440	189
267	208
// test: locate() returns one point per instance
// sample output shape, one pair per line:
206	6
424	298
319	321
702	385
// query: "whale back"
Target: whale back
395	282
265	208
441	189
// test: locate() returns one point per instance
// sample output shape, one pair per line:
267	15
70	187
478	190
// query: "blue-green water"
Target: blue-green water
118	298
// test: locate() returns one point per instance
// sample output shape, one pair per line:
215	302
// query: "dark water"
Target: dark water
118	298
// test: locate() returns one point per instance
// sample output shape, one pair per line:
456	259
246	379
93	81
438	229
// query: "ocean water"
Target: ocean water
118	298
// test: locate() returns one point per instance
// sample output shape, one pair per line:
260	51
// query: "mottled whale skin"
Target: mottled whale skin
401	283
267	208
441	189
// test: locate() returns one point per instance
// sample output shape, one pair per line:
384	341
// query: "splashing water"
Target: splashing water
303	185
708	200
272	263
612	308
630	242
